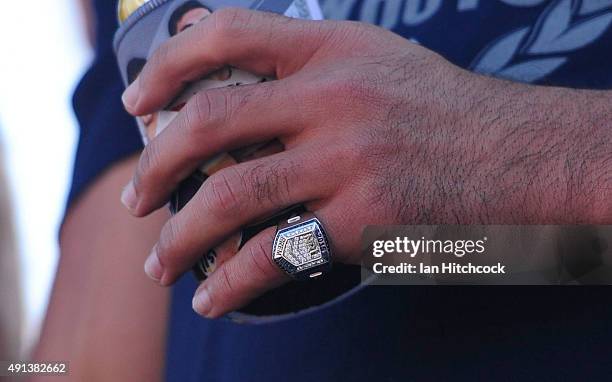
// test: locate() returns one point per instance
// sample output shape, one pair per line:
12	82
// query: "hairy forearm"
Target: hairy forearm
548	150
584	121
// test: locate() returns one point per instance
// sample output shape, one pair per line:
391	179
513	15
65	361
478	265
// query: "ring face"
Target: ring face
302	249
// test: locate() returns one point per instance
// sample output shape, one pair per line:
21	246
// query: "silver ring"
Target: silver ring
301	247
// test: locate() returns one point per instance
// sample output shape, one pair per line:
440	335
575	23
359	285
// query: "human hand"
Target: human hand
377	130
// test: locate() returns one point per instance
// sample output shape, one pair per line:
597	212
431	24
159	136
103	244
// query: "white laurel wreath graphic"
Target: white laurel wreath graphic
529	53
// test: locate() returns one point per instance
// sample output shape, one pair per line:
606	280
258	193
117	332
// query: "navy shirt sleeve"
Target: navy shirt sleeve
107	132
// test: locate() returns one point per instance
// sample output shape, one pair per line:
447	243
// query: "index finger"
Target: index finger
259	42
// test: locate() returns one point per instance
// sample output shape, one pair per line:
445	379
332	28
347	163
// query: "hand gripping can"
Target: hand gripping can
145	24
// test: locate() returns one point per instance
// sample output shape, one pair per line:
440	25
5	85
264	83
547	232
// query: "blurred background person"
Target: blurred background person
103	316
40	66
11	314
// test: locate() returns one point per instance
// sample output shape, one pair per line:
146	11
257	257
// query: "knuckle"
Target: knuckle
158	63
226	280
230	21
209	109
352	87
224	193
354	96
146	169
261	259
362	150
270	184
246	98
197	113
335	33
168	243
335	36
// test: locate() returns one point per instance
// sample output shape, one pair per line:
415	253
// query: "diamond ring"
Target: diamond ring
301	247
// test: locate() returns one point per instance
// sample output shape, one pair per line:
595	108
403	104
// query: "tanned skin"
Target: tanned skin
105	317
377	130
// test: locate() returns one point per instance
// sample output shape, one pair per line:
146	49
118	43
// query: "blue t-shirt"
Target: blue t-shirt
399	333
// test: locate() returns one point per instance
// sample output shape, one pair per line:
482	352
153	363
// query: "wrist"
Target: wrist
545	153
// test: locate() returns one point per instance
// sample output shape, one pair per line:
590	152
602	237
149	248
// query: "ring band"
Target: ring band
301	248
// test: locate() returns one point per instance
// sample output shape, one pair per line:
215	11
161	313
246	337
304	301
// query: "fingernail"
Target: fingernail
130	96
128	196
152	266
201	303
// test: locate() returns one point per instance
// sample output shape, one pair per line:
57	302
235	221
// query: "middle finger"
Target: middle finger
232	198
